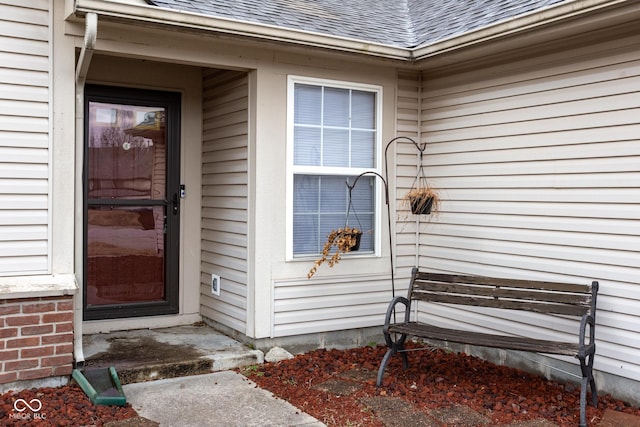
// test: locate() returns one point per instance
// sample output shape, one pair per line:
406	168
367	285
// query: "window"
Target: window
333	137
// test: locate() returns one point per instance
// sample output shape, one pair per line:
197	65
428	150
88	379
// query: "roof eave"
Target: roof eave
521	24
200	22
153	15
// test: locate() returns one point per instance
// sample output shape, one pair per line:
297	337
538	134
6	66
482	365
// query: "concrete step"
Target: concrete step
150	354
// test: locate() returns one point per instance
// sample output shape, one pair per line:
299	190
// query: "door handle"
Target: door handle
175	204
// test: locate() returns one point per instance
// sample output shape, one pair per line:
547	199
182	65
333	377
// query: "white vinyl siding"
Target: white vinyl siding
539	167
24	137
225	196
301	307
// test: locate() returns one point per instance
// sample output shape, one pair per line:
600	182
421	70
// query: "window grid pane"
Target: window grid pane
333	127
340	118
321	204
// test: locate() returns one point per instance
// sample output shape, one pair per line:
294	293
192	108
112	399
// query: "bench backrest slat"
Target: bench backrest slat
498	292
536	296
508	283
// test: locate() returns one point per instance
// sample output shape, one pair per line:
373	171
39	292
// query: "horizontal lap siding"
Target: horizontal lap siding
24	137
539	167
302	307
224	196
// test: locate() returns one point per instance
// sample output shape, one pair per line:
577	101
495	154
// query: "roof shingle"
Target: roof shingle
397	23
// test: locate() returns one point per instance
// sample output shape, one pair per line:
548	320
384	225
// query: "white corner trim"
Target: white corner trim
38	286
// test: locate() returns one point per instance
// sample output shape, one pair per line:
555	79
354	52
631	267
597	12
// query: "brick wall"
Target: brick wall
36	338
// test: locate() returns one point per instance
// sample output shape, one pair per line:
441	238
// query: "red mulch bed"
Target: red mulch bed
435	379
61	406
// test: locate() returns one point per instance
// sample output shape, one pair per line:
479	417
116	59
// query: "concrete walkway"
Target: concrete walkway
219	399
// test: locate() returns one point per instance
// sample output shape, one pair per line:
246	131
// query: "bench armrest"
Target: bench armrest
391	311
392	308
587	348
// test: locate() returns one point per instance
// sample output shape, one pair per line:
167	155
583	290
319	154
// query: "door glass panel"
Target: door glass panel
125	255
127	152
126	199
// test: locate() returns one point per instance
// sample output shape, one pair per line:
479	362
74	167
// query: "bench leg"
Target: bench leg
583	402
405	361
594	392
587	382
394	347
383	366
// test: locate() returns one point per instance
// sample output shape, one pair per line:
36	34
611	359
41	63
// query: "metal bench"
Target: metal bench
541	297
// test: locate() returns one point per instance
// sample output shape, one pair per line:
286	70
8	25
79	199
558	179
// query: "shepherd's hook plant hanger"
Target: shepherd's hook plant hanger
386	200
385	181
421	149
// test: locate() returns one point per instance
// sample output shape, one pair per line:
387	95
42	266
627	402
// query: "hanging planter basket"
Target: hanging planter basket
422	200
421	205
341	241
344	240
356	236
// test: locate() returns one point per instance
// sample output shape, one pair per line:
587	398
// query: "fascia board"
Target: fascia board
514	26
200	22
113	10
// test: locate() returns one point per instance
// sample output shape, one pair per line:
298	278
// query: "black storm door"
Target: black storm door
131	202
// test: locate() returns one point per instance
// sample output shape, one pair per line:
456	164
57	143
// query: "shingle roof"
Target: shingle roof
397	23
435	20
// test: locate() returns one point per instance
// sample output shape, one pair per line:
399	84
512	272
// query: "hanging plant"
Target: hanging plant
346	239
422	200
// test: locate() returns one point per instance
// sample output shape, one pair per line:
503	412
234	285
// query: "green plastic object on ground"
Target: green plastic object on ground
102	386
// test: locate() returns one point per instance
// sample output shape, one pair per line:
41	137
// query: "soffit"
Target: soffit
412	31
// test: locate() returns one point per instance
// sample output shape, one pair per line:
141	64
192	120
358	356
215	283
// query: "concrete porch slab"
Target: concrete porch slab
150	354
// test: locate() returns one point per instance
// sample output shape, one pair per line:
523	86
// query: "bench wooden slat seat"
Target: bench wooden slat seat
554	298
486	340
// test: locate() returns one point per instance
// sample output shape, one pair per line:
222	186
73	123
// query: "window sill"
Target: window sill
344	256
37	286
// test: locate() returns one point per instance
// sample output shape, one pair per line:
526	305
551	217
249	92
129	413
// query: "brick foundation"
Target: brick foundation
36	338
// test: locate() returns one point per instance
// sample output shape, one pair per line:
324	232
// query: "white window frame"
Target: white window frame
322	170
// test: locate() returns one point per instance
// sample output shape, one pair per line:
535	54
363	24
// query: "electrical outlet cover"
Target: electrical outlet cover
215	284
